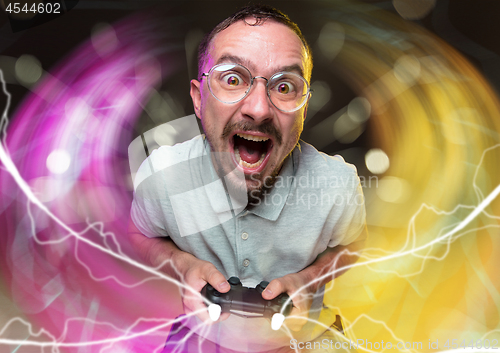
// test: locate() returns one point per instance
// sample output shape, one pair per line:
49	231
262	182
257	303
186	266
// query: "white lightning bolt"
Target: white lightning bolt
13	171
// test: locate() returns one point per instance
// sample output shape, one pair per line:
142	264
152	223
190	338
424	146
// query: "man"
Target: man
249	199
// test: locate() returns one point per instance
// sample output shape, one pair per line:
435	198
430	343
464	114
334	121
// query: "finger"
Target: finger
296	320
216	279
273	289
295	324
193	304
224	316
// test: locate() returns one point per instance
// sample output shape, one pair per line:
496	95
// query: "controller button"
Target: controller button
234	281
246	262
262	285
216	294
244	236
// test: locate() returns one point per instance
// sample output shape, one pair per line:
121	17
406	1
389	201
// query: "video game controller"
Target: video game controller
247	302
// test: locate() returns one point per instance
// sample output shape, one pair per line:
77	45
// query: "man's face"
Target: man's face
251	135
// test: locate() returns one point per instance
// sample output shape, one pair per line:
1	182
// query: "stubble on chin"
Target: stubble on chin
263	185
255	194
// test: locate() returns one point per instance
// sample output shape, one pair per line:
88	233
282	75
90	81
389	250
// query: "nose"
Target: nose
256	104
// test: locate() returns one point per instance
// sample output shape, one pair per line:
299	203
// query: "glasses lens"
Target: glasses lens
229	82
288	91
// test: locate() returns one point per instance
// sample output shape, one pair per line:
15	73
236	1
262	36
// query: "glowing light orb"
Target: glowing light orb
28	69
377	161
393	189
58	161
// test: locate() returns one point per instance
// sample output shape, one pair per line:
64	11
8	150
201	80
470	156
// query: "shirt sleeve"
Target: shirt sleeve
353	217
148	205
147	218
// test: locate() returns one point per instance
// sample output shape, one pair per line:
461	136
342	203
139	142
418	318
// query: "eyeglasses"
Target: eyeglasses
230	83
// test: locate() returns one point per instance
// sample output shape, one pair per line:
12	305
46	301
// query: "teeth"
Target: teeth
242	163
252	137
237	154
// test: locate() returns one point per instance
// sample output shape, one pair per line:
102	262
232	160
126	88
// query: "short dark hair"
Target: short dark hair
261	13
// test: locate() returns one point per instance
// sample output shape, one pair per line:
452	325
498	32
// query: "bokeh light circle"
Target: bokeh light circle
58	161
377	161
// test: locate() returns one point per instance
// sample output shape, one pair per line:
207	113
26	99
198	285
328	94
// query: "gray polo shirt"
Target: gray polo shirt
315	203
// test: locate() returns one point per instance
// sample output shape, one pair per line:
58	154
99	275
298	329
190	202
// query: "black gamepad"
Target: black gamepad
247	302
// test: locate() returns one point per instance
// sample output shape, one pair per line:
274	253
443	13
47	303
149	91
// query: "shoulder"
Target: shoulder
309	158
166	156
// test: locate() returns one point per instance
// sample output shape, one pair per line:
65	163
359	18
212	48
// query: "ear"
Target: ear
307	105
195	93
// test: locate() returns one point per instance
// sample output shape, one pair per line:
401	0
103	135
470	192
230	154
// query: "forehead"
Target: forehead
264	49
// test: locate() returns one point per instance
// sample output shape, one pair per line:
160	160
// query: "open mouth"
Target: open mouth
251	152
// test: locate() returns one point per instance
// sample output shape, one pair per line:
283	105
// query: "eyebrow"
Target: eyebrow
244	62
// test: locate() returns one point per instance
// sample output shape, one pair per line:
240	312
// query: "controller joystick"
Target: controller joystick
247	302
235	281
261	286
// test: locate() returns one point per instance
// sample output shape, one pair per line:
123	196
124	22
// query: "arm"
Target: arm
181	266
332	259
325	264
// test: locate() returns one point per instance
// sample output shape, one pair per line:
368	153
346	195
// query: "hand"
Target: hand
301	300
196	275
182	266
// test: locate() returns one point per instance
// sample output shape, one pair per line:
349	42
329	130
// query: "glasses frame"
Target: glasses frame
308	94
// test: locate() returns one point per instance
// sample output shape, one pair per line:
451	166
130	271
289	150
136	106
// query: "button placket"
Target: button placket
244	223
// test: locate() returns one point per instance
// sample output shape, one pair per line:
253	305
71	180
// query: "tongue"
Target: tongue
250	151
